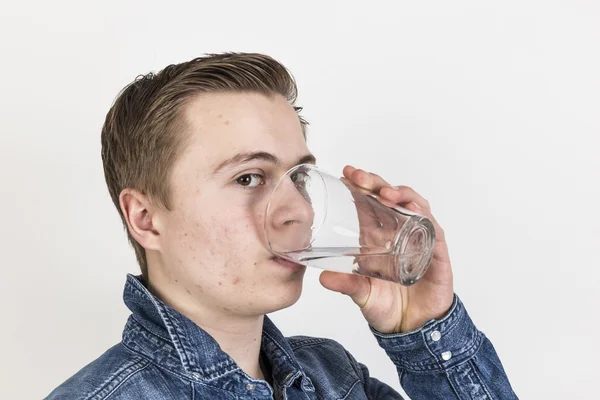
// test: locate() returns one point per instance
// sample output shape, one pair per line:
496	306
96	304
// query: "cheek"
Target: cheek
219	234
220	240
234	227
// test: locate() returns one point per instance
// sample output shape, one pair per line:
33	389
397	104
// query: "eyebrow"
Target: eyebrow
242	158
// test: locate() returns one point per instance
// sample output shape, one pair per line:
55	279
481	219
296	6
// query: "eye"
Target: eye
299	178
249	181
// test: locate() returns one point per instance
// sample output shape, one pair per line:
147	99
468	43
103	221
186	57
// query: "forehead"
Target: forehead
221	125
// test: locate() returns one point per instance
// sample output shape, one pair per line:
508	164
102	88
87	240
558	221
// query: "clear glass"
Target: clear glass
318	220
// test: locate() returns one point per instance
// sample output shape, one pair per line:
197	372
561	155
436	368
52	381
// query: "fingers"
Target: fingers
377	185
348	170
402	195
364	179
405	195
356	286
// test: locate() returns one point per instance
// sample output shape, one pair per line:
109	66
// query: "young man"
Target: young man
190	155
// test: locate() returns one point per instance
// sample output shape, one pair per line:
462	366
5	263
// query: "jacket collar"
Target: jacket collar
172	340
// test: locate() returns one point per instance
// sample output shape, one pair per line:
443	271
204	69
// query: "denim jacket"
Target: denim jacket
164	355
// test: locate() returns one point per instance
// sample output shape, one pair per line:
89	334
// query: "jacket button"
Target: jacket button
446	355
436	335
250	386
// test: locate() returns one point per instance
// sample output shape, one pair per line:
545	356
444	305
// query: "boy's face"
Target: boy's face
212	246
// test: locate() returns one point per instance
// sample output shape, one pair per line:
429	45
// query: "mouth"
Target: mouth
288	264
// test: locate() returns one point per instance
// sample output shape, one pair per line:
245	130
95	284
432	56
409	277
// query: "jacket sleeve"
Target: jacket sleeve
444	359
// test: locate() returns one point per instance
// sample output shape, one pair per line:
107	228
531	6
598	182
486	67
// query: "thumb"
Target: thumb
356	286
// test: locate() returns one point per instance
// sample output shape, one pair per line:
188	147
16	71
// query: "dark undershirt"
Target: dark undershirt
265	367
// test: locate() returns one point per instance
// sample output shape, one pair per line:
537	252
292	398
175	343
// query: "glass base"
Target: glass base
417	237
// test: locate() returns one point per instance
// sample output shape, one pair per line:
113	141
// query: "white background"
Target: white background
489	109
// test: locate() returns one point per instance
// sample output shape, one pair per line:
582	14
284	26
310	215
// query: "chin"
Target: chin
284	296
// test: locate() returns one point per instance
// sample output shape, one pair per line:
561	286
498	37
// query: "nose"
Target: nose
290	218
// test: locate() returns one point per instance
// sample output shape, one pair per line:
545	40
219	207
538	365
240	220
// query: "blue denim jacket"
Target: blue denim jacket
164	355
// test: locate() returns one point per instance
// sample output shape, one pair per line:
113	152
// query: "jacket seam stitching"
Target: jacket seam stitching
125	380
310	344
150	361
187	378
302	342
351	389
278	345
165	317
182	352
447	373
95	393
474	368
148	330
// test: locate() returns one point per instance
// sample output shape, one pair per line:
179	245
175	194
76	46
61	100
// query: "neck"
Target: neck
241	340
238	336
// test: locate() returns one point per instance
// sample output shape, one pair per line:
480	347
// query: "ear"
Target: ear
141	218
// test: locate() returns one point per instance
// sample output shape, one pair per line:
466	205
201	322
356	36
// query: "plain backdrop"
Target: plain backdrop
489	109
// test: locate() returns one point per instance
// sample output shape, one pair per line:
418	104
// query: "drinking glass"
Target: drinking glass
318	220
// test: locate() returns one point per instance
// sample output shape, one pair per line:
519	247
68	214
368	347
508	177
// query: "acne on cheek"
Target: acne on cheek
224	276
189	234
